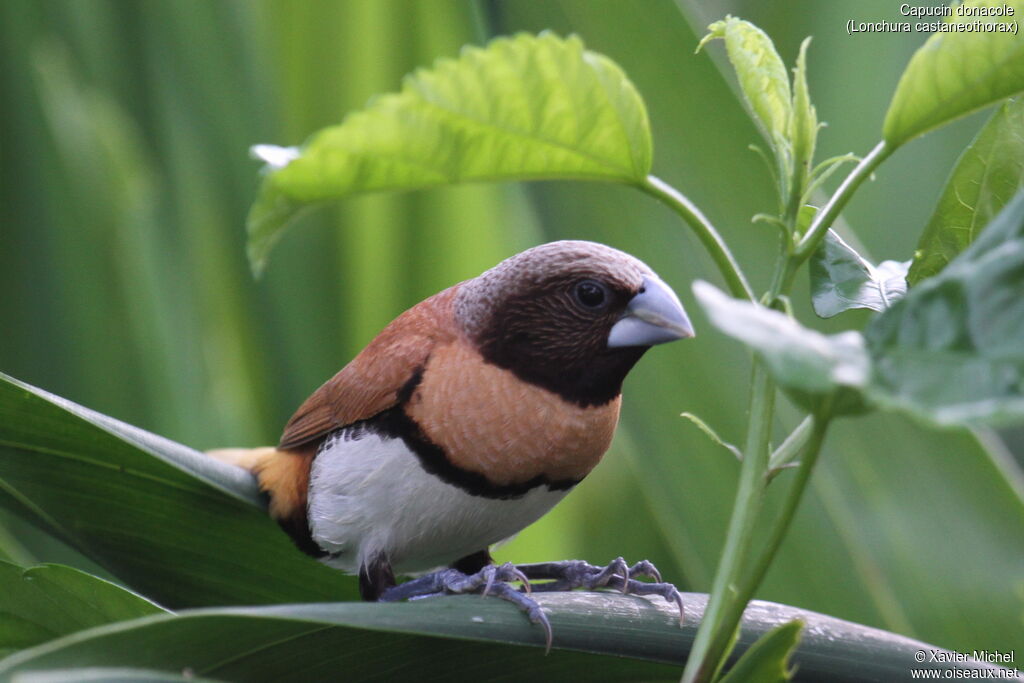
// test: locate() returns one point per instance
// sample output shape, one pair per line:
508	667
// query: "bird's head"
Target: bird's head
571	316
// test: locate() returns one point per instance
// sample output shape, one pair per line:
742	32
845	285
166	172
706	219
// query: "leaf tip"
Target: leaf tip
715	32
257	262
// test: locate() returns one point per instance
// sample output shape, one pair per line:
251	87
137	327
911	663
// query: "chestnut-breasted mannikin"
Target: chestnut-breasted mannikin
465	420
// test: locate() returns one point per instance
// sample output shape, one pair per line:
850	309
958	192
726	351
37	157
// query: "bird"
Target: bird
465	420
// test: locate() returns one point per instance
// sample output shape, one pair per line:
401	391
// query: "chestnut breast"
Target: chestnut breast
490	422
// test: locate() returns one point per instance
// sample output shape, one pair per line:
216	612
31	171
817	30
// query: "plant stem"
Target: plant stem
705	232
737	578
780	525
727	603
824	218
782	278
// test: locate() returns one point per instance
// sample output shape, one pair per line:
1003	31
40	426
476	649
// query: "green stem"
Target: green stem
818	424
737	577
782	278
705	232
824	218
726	604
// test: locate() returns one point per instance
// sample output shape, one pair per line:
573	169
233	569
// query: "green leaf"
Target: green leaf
808	363
841	279
804	218
955	73
987	175
767	660
43	602
180	527
803	129
951	350
527	107
602	636
712	434
762	77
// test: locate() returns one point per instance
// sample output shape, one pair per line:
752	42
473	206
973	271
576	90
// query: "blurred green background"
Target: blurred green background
125	181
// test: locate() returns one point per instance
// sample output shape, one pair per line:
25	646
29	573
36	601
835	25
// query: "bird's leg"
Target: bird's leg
471	564
490	580
570	574
375	577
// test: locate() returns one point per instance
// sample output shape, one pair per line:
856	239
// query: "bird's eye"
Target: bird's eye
591	294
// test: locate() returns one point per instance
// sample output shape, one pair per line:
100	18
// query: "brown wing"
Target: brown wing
372	382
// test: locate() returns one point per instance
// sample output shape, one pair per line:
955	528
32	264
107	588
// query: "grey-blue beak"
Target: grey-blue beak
654	316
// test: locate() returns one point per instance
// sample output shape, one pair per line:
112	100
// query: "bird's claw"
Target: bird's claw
617	575
492	580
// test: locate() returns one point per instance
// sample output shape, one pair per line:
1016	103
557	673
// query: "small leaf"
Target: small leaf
522	108
762	77
804	121
951	350
987	175
824	171
841	279
712	434
805	217
785	456
43	602
767	660
957	72
804	361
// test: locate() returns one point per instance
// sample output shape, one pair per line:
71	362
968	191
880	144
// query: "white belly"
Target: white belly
370	495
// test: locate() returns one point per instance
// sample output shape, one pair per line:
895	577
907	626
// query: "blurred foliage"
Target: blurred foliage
125	182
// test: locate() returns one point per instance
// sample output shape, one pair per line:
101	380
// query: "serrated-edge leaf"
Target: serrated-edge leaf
986	176
956	73
522	108
841	279
762	75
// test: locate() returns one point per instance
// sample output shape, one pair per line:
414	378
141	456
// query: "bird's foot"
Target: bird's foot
491	580
569	574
